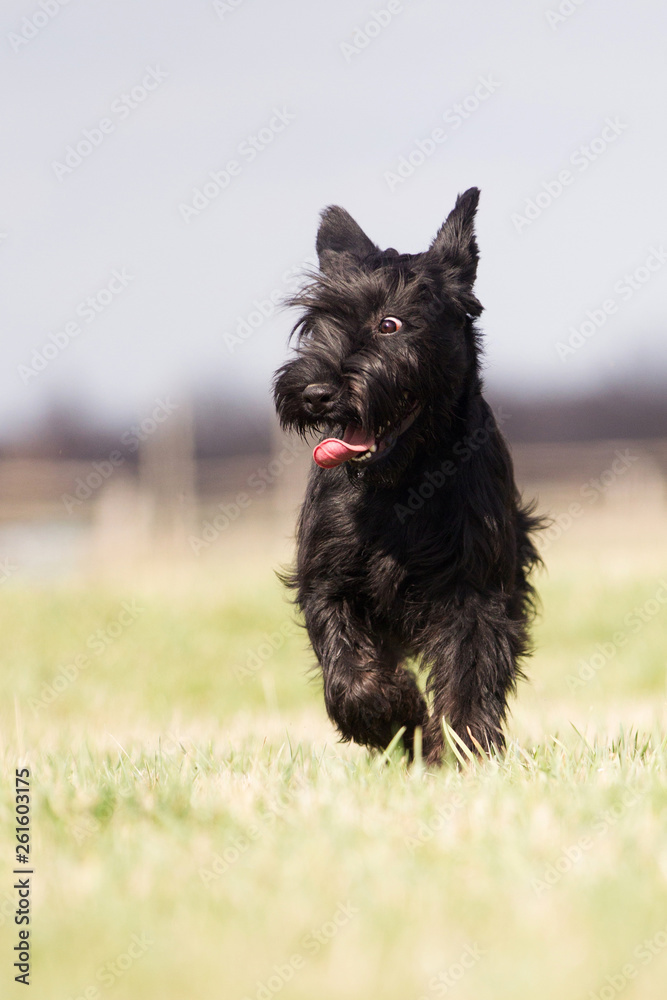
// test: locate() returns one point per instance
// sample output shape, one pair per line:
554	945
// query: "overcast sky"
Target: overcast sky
120	283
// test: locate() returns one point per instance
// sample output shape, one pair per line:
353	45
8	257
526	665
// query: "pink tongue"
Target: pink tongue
332	451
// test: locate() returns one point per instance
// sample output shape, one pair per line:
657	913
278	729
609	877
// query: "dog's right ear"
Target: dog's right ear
455	250
340	234
455	242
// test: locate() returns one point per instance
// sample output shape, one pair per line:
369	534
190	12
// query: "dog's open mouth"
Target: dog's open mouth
360	446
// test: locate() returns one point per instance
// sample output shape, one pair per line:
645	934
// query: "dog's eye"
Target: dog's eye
390	325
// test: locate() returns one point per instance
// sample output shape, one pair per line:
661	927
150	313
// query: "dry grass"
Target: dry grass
188	790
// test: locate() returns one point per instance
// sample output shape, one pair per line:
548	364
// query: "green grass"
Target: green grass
188	790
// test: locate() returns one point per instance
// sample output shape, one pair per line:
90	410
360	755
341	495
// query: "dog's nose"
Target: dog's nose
318	396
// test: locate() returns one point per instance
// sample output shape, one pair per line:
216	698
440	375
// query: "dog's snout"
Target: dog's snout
318	397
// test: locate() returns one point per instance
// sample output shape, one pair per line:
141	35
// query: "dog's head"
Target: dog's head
385	345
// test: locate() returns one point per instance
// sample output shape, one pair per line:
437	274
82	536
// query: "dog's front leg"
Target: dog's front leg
368	695
472	647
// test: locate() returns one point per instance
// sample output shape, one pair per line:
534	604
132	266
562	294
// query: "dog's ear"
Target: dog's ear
340	234
454	249
455	242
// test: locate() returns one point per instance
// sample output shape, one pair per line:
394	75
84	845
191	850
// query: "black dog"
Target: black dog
413	540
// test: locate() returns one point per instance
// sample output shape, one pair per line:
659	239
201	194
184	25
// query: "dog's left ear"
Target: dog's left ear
455	243
340	234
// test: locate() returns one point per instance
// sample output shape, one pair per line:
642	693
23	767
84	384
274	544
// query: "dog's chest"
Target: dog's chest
386	559
362	544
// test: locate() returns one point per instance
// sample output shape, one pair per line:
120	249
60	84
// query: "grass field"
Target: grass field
198	832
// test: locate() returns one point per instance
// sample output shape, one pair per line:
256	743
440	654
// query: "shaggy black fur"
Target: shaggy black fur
422	549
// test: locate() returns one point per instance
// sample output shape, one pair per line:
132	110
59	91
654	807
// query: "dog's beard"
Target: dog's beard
366	447
379	457
389	470
373	436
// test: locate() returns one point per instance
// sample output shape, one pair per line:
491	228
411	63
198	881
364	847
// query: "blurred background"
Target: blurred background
164	168
164	164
